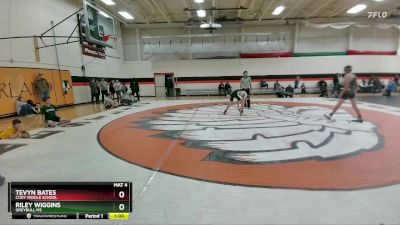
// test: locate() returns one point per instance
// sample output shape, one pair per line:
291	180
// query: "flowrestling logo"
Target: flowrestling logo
378	15
273	145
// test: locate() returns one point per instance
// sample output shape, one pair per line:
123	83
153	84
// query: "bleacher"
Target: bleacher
208	92
255	91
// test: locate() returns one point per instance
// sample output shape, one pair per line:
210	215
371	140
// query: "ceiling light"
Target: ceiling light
104	14
201	13
108	2
278	10
357	8
126	15
210	25
378	0
199	1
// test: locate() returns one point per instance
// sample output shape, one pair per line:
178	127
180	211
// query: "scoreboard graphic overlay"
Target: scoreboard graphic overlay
70	200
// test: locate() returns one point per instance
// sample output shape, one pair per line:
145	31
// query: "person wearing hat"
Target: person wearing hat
241	97
348	92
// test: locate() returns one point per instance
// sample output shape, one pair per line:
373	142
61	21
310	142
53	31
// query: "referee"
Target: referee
245	85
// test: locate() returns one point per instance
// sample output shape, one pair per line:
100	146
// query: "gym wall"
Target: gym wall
15	82
27	18
21	17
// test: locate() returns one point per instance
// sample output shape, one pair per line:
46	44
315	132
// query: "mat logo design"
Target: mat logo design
267	133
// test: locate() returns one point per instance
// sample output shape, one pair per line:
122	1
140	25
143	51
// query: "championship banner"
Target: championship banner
15	82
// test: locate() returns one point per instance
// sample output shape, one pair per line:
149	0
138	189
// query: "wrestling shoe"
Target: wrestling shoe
358	120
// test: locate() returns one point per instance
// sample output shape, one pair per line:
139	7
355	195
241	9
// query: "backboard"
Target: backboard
97	26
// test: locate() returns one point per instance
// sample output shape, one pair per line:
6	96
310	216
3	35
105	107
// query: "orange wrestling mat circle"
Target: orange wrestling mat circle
273	145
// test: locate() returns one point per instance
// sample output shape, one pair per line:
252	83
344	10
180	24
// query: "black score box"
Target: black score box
93	216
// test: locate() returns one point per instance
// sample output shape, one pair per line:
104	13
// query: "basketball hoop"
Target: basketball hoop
106	38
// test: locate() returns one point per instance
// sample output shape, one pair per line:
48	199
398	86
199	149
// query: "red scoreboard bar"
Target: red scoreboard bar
70	200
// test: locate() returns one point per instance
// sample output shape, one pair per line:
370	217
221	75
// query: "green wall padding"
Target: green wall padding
304	54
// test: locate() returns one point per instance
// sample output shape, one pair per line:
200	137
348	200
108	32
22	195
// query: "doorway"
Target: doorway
164	84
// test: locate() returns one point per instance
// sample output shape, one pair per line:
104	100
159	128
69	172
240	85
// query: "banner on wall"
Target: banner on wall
15	82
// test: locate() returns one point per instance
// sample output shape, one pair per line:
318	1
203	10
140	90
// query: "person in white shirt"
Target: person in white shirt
245	85
23	108
118	89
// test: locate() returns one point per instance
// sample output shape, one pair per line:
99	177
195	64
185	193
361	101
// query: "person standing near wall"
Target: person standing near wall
169	84
42	87
112	91
98	90
245	85
118	89
103	88
93	90
135	88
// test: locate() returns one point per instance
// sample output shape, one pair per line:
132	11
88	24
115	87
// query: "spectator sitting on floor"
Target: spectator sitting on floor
277	86
263	84
376	84
23	108
15	131
391	87
221	89
280	91
303	88
323	87
109	103
289	91
364	85
124	89
228	88
51	118
128	99
34	105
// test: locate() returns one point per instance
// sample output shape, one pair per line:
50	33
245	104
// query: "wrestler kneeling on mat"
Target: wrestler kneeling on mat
241	97
348	92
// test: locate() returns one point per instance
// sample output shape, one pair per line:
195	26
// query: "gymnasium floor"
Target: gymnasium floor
279	163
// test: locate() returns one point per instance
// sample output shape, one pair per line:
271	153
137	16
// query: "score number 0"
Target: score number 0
121	195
